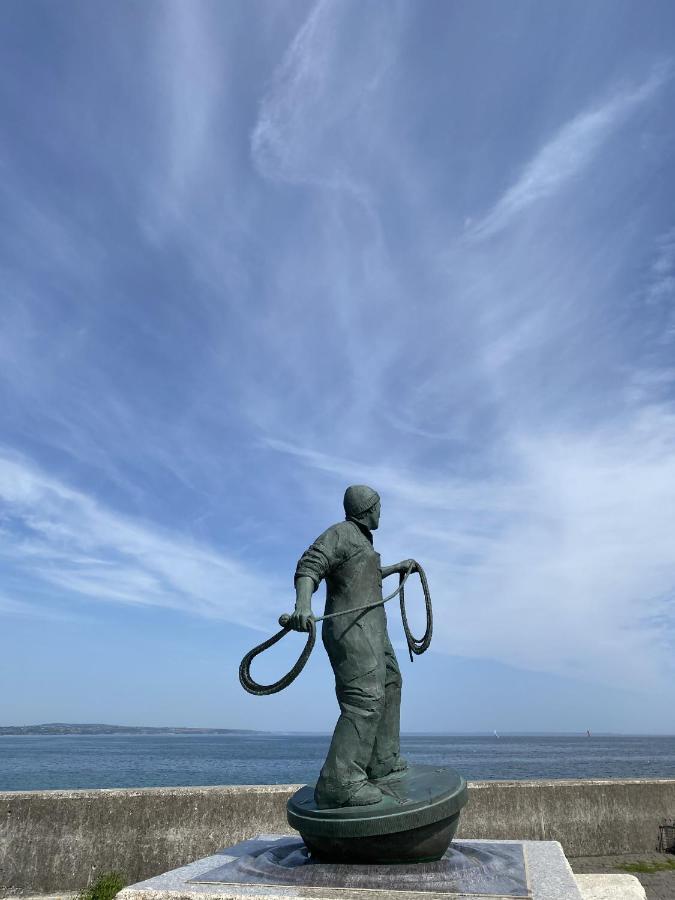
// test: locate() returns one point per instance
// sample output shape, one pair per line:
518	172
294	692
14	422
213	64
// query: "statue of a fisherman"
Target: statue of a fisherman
365	746
368	805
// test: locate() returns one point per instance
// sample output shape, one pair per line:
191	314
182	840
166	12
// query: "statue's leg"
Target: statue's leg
361	699
386	755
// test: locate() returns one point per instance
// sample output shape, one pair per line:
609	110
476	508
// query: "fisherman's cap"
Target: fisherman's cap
359	498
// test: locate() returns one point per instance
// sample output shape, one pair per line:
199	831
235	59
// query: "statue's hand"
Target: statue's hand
298	620
405	564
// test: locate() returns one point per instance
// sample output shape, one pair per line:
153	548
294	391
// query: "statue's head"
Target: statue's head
363	504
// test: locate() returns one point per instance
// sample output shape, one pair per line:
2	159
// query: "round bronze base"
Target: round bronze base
414	822
427	843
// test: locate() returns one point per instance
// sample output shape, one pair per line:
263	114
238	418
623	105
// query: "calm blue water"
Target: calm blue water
77	761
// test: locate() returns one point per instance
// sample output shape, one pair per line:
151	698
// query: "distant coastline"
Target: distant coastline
87	728
68	728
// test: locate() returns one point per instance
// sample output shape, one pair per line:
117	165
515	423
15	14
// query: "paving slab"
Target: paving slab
610	887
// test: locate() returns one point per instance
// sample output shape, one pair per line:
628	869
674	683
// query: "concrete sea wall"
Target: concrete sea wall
60	840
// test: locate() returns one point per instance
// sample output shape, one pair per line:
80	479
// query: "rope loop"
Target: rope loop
415	645
262	690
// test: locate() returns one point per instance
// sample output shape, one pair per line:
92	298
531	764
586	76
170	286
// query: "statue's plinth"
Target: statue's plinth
279	867
414	822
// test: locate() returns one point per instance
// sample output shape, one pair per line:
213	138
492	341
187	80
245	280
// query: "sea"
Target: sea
47	762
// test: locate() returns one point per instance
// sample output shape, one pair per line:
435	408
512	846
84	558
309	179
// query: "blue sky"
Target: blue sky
253	252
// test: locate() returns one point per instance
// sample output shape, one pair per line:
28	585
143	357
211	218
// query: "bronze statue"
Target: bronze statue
368	804
365	746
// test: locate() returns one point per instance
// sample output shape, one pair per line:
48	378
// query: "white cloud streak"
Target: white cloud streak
566	155
71	543
553	554
302	134
18	609
567	565
661	287
473	383
191	96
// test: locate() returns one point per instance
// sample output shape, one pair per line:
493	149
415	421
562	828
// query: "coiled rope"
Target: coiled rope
415	645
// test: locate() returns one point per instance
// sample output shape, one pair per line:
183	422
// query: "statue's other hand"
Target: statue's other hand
298	621
405	564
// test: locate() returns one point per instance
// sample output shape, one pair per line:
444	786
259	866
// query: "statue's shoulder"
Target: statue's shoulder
340	532
344	527
338	540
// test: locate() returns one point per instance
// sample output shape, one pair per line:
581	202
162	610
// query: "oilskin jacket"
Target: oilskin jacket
344	556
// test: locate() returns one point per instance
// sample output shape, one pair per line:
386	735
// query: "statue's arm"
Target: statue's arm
313	566
401	568
304	588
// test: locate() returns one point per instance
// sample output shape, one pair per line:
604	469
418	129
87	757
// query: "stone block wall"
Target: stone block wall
60	840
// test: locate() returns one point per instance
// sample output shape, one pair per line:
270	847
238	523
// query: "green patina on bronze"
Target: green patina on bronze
368	805
414	821
366	742
419	796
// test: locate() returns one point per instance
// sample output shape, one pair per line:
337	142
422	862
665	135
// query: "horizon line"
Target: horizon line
252	731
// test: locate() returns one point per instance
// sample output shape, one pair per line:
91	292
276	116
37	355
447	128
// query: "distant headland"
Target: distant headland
69	728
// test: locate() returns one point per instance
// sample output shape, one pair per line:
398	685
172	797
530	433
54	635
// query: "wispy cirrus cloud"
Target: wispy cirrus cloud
312	108
250	283
564	565
661	288
567	154
189	80
64	540
525	513
11	608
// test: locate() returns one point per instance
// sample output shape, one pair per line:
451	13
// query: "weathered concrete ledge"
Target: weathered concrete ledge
58	840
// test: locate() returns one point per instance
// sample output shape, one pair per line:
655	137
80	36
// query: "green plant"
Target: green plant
104	888
650	867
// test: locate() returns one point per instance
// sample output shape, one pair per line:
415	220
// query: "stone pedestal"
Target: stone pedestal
279	867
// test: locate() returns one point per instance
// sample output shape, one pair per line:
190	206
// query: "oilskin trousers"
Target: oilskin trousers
366	740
